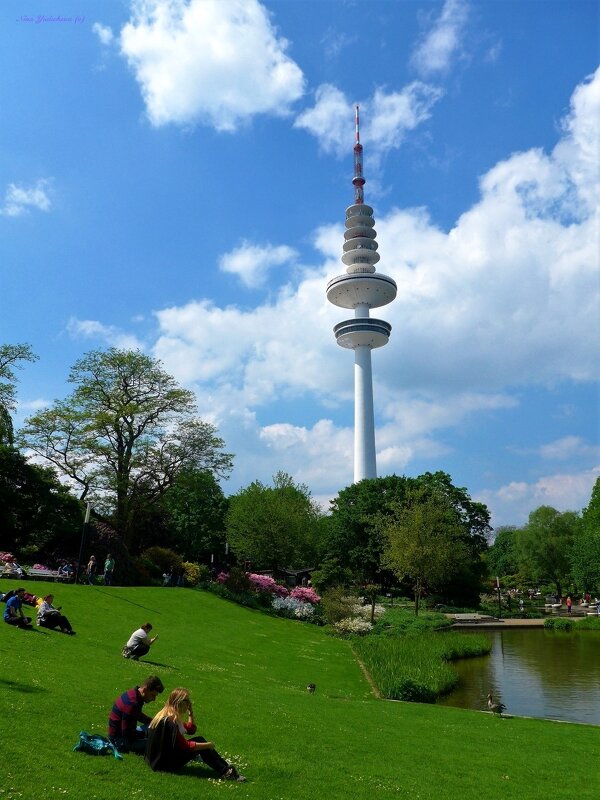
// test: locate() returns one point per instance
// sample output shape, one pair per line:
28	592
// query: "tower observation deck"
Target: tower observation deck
361	288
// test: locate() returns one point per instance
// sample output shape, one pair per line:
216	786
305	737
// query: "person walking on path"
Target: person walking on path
139	642
569	604
168	750
13	613
109	566
126	713
90	570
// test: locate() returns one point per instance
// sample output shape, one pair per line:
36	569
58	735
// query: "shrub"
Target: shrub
306	594
292	607
163	558
195	573
352	625
7	558
589	624
237	581
364	612
337	605
265	584
558	624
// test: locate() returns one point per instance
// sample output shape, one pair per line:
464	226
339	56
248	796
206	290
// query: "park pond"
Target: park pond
535	673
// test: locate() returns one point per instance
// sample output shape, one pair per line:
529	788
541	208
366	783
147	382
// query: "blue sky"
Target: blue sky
174	175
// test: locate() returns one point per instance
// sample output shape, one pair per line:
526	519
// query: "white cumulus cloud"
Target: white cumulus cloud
107	334
104	33
252	263
19	200
442	41
208	61
512	504
387	116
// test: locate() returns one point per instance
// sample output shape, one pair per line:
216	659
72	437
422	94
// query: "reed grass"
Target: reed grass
417	668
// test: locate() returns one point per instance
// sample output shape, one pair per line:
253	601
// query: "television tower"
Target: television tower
361	288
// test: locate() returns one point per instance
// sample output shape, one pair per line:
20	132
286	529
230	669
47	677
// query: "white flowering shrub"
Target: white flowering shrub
353	625
364	612
290	606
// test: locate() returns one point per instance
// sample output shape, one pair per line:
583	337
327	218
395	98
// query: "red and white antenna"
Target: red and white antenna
358	179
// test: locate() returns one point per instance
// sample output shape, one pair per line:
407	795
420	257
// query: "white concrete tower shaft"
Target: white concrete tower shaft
361	288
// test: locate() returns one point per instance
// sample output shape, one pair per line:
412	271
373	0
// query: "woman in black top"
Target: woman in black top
168	749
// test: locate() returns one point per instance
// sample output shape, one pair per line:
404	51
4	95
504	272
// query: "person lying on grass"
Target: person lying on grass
50	617
123	730
168	750
139	642
13	613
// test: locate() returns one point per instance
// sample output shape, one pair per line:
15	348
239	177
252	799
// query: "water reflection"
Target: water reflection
535	673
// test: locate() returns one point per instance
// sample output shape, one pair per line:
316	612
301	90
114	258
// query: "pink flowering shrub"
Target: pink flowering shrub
264	584
222	577
39	566
306	594
7	557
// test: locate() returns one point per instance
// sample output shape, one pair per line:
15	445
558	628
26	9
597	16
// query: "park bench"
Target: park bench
46	574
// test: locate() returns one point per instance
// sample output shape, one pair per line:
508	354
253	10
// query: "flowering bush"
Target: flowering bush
352	625
290	606
306	594
222	577
266	585
364	612
7	557
39	566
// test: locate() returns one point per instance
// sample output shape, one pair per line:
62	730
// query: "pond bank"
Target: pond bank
489	622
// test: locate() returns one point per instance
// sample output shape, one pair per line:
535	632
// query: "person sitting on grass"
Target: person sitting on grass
168	750
126	713
50	617
13	613
139	642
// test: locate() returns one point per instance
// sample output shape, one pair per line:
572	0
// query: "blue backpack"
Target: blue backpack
96	745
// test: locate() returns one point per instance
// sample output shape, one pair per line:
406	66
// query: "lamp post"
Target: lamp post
88	511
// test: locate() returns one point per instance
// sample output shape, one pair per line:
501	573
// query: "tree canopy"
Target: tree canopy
124	434
10	357
38	515
274	527
503	556
356	540
545	545
586	545
424	541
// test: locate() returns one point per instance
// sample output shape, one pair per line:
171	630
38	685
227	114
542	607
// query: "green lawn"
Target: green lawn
248	674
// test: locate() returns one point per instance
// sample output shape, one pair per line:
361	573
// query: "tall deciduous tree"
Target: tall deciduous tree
586	545
356	543
424	541
39	517
124	434
502	556
196	508
10	357
545	545
273	526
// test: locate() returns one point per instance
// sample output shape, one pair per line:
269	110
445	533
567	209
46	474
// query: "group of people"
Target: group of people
47	615
92	568
167	740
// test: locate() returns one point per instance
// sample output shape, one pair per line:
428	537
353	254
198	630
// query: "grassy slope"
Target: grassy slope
248	674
